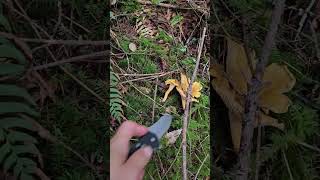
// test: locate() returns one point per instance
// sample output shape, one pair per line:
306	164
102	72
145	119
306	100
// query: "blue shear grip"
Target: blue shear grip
149	139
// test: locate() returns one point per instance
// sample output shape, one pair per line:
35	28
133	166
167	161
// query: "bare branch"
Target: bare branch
251	99
186	111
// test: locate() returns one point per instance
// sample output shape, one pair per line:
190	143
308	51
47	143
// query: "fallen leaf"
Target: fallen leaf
132	47
182	88
173	136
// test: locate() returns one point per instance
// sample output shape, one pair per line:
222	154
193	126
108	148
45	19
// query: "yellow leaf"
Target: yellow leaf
278	80
237	67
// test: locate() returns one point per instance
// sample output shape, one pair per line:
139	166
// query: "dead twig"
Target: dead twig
251	99
72	59
287	165
171	6
316	42
304	17
55	41
55	29
258	151
79	25
186	111
154	99
33	26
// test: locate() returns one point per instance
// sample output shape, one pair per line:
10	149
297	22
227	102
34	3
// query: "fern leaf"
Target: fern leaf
11	69
15	136
16	145
2	137
14	107
4	22
4	150
9	162
25	176
12	90
116	101
14	122
13	53
26	148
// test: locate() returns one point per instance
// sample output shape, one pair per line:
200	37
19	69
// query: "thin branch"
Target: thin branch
204	160
304	17
72	59
154	99
186	111
287	165
33	25
54	41
258	151
251	99
171	6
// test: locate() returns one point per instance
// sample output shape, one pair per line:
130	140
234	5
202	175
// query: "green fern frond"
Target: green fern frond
18	150
116	101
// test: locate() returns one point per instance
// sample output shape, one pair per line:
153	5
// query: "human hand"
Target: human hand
121	167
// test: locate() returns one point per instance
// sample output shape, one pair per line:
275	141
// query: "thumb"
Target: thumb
136	163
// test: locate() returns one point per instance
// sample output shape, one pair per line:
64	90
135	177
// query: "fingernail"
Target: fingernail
148	151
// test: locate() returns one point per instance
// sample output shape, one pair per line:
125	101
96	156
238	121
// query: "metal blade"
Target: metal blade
161	126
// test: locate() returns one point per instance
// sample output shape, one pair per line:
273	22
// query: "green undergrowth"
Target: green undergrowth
79	121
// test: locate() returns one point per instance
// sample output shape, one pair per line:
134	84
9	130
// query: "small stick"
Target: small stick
55	41
287	165
186	111
72	59
304	17
154	99
79	25
258	151
171	6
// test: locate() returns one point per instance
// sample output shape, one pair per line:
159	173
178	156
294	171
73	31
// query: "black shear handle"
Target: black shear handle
149	139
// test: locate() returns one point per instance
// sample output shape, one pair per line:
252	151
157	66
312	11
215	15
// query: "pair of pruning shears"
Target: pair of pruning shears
153	136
